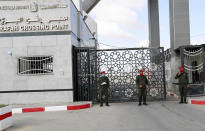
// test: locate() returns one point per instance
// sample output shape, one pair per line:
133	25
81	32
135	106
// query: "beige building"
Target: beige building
36	41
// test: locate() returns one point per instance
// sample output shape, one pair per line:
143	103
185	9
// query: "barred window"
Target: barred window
35	65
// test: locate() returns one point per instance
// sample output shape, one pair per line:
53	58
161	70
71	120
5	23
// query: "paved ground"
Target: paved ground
158	116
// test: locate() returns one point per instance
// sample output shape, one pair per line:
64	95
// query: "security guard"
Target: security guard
183	84
104	88
142	84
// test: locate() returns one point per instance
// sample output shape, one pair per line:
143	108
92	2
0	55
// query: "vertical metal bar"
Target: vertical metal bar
80	74
27	65
34	58
85	75
44	61
25	62
33	64
36	62
95	74
40	64
19	66
44	64
89	74
164	79
30	64
52	62
24	65
73	73
78	70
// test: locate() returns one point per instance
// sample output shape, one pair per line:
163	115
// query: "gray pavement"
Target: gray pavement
157	116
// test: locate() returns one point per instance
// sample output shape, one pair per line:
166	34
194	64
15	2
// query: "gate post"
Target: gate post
96	76
89	74
164	79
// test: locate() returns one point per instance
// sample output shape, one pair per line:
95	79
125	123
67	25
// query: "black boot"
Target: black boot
101	104
185	102
181	100
140	104
145	104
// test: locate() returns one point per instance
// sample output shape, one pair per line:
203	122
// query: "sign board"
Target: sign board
34	15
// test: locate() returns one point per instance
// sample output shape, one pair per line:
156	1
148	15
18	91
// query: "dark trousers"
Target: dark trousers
183	93
104	96
142	95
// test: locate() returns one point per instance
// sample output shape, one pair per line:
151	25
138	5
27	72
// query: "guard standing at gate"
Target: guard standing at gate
142	84
104	89
183	84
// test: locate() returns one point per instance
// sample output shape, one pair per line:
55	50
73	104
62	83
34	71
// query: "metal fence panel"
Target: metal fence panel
121	66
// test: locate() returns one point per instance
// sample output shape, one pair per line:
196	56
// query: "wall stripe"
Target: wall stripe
17	110
77	107
56	108
198	102
4	116
36	109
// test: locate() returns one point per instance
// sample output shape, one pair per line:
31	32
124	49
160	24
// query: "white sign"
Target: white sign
34	16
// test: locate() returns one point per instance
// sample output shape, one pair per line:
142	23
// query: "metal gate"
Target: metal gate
121	66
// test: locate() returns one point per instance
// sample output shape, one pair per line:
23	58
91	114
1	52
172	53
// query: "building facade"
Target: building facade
36	41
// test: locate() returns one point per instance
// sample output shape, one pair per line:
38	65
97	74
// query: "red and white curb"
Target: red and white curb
5	117
51	108
173	95
196	102
190	100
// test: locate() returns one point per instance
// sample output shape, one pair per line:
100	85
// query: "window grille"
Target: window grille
193	64
35	65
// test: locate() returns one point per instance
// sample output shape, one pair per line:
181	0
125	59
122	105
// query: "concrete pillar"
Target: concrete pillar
179	34
153	14
179	23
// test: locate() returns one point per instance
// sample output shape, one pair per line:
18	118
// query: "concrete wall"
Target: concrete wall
55	42
81	29
87	39
92	26
32	43
58	46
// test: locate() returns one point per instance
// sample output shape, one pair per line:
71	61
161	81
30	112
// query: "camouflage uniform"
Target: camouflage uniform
183	82
142	80
104	93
